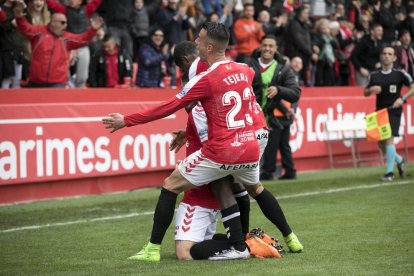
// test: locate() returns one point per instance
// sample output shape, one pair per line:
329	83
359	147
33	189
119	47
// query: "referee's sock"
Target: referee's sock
232	224
271	209
164	213
205	249
390	153
243	201
398	158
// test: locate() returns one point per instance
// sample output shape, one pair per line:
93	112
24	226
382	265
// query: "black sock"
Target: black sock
243	201
232	224
273	212
206	249
164	213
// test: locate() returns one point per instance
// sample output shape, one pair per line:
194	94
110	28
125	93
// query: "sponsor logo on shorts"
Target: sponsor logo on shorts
239	167
261	136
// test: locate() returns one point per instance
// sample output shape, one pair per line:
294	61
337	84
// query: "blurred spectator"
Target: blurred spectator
327	44
210	6
96	43
398	10
227	17
39	13
248	34
3	16
408	23
383	16
366	55
153	8
346	42
174	22
296	64
140	26
405	53
50	46
78	16
362	27
195	18
274	28
118	19
12	46
298	40
151	59
111	66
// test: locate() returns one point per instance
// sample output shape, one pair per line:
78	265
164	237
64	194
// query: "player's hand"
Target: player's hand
376	89
271	92
178	141
398	103
115	121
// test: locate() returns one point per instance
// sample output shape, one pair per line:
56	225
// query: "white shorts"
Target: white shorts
199	170
194	223
262	136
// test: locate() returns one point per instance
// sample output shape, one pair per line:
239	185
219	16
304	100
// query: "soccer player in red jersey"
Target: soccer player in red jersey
225	93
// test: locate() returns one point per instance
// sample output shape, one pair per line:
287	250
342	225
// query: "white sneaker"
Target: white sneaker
230	254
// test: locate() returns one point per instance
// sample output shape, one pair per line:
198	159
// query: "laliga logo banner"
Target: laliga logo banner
297	131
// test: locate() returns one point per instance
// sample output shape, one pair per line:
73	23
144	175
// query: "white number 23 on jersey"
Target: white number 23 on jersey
233	98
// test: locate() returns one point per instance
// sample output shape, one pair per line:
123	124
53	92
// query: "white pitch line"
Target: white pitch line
58	120
329	191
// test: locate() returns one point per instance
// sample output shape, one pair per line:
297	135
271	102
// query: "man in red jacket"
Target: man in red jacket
51	45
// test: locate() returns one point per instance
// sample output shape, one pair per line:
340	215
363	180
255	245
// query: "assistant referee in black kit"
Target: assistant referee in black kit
386	84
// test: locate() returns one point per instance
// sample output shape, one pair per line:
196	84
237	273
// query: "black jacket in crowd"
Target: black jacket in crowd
366	53
97	68
285	81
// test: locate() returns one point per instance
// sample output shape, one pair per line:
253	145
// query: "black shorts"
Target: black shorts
395	121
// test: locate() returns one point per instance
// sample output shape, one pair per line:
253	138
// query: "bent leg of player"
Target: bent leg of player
164	213
230	216
193	224
273	212
243	201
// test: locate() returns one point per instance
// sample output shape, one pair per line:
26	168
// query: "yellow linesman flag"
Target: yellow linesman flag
378	125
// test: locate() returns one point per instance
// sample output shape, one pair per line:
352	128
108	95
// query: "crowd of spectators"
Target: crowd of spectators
339	41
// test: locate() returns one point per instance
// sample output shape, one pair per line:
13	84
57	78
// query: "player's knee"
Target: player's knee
183	253
254	190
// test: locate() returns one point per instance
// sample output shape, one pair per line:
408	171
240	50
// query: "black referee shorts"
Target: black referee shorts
395	120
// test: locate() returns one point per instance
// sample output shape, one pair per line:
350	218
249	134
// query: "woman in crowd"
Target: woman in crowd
151	60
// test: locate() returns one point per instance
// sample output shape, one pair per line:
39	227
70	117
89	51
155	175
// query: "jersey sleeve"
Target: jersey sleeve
194	90
408	80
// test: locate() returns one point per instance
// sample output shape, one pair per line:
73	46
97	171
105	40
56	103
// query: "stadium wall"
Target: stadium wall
52	143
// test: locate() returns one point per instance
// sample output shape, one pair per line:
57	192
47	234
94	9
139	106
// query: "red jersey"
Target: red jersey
225	92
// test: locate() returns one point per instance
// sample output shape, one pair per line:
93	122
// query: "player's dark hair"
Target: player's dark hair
269	36
182	49
218	33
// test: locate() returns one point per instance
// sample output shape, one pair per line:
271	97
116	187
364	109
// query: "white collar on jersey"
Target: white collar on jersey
386	72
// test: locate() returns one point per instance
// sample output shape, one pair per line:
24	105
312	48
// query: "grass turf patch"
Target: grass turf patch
348	221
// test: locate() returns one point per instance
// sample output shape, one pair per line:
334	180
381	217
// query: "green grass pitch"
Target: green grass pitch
348	221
